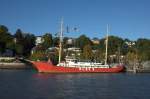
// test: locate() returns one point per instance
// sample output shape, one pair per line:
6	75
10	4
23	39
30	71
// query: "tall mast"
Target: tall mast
61	40
106	45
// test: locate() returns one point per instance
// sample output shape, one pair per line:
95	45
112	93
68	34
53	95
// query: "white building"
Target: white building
38	40
130	44
74	49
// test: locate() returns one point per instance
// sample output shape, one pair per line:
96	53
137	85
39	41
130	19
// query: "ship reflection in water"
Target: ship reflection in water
23	84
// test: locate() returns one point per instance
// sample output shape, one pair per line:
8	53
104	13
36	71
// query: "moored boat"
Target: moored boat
76	67
72	65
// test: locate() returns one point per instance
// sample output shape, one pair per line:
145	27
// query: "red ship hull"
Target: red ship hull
46	67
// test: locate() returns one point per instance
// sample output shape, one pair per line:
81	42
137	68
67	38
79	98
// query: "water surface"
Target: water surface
28	84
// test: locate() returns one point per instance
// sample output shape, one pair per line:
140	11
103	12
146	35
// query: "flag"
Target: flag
67	29
75	29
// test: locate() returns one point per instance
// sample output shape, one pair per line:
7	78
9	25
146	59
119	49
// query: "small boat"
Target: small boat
72	65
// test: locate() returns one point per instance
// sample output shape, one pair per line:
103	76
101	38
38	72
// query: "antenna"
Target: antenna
61	39
106	45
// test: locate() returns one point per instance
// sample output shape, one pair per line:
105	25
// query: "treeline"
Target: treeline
22	43
117	47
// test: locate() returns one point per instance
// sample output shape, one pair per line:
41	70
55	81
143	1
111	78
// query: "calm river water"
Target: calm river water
28	84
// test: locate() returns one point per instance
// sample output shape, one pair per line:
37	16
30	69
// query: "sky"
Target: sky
126	18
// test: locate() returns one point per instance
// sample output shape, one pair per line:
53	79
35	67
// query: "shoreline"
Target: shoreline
138	71
4	65
22	65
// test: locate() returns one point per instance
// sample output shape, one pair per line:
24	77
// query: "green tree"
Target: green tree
47	40
143	49
82	41
56	41
95	46
87	52
19	36
28	44
5	37
114	44
11	46
131	59
24	42
3	29
18	49
19	42
99	55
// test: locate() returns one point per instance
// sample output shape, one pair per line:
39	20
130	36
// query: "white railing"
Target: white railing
83	65
7	58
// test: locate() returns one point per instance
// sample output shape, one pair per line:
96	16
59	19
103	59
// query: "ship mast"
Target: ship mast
61	40
106	42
